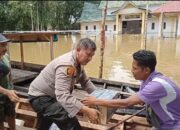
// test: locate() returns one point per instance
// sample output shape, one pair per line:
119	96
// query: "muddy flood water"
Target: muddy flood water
117	56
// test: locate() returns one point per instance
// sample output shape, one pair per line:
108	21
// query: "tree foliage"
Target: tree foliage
39	15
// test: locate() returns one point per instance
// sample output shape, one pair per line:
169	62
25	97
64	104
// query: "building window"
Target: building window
106	27
153	26
94	27
140	24
114	27
86	27
124	24
164	25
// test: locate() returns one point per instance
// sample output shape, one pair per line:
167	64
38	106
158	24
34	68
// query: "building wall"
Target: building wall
170	27
90	25
110	26
130	11
169	31
149	26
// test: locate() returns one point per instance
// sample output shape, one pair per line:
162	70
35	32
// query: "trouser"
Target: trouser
50	111
7	108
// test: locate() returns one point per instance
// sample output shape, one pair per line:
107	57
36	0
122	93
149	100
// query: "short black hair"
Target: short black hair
145	58
86	43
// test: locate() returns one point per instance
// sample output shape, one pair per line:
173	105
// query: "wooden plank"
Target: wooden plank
119	127
108	82
135	119
19	110
27	66
19	75
24	100
26	112
18	127
92	126
29	36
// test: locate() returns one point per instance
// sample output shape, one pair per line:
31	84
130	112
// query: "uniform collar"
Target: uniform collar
75	59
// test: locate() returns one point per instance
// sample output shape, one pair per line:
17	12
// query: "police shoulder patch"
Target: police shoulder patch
70	71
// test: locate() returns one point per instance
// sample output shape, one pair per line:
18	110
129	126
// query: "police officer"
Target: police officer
160	93
7	94
50	93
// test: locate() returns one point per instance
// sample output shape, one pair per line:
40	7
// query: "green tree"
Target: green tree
72	13
18	16
39	15
3	15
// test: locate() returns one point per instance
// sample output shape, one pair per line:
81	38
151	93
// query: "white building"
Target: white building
128	17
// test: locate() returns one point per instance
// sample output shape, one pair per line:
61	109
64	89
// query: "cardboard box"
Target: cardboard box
105	94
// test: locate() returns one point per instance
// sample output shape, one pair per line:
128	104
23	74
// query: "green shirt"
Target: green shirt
4	72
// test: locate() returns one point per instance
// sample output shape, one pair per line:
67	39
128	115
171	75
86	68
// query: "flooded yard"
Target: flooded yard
117	56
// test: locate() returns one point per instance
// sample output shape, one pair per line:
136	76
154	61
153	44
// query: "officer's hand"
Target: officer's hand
12	95
92	114
90	100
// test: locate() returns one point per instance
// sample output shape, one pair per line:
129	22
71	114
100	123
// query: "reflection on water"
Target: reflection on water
117	56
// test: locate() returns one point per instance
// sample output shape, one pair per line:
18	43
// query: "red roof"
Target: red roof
169	7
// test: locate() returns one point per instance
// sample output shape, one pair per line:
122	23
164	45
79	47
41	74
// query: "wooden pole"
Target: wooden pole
51	47
22	53
102	42
146	21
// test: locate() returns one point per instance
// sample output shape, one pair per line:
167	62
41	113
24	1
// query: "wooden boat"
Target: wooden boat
22	80
26	113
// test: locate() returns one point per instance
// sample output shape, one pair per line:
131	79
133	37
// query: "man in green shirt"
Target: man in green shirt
8	96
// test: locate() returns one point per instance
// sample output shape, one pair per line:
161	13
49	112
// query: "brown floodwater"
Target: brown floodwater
117	55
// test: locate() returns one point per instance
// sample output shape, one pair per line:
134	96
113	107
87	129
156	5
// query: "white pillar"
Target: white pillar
176	25
160	33
143	23
119	24
178	28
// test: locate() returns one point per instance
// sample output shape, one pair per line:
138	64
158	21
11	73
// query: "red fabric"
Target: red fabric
169	7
